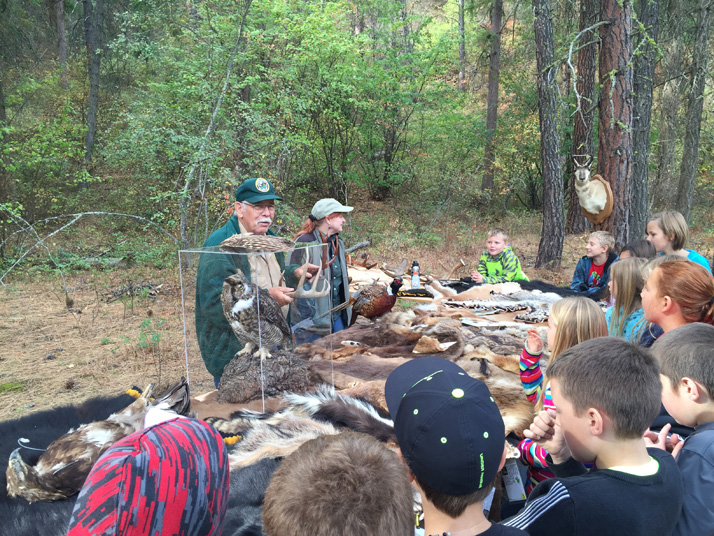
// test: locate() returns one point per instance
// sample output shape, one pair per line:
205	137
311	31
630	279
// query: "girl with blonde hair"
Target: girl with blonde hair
570	322
626	318
669	233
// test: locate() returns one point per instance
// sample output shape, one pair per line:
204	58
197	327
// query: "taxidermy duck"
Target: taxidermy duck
63	467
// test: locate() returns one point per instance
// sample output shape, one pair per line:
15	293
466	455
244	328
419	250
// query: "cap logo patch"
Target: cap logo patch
443	440
457	393
485	435
416	412
262	185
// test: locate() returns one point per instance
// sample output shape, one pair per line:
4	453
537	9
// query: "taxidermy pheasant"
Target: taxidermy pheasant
64	466
373	300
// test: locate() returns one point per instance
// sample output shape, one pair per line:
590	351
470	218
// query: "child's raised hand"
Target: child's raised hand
534	344
546	432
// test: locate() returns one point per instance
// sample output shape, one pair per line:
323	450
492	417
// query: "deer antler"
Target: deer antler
395	271
300	292
459	264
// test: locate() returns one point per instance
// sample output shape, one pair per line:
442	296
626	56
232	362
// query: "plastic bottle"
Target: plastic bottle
415	274
512	481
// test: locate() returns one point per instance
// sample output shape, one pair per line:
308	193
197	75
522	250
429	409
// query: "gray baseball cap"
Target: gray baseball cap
327	206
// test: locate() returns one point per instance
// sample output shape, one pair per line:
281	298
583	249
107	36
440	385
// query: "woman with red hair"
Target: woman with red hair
319	236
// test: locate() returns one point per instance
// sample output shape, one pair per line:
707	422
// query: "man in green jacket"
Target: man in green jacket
254	213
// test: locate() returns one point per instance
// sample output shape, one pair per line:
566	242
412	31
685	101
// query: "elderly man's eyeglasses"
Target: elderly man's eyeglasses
261	208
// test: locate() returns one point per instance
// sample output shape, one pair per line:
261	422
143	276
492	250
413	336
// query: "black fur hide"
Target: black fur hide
20	518
17	516
245	502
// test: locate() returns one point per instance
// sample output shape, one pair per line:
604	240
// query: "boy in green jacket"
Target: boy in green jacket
498	263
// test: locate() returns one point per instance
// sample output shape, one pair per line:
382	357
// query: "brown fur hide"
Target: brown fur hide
367	353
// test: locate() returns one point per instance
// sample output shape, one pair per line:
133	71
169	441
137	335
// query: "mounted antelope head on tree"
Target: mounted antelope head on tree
594	192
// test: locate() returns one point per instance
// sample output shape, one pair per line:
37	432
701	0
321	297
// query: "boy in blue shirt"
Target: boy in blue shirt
593	271
686	357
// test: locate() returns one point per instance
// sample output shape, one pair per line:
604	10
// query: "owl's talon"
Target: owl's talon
263	353
247	349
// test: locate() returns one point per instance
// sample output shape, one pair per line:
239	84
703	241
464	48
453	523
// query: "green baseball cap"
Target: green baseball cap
256	190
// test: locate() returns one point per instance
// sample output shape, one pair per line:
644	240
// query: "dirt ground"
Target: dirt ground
57	351
52	354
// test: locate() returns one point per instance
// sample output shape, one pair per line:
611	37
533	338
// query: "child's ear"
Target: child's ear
596	421
669	306
693	390
409	471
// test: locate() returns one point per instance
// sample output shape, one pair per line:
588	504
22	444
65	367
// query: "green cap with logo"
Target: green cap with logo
256	190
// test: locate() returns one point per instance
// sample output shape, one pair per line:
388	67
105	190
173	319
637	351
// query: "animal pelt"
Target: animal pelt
498	341
531	302
61	470
563	292
245	500
20	518
306	416
380	338
507	391
447	335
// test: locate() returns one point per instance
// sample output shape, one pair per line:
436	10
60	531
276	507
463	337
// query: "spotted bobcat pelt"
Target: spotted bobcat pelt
484	306
533	301
533	317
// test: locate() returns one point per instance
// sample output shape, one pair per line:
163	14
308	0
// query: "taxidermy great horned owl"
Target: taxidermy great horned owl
257	323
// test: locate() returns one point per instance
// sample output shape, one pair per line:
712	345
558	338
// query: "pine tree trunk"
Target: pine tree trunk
698	72
494	73
583	126
61	42
643	81
3	113
662	190
92	40
550	248
462	47
615	113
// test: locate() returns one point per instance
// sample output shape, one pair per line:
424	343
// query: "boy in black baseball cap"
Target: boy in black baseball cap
452	438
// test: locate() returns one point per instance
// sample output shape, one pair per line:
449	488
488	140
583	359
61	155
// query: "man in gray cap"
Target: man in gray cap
254	213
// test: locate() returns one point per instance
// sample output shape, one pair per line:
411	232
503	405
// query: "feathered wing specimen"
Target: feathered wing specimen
240	243
64	466
258	323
